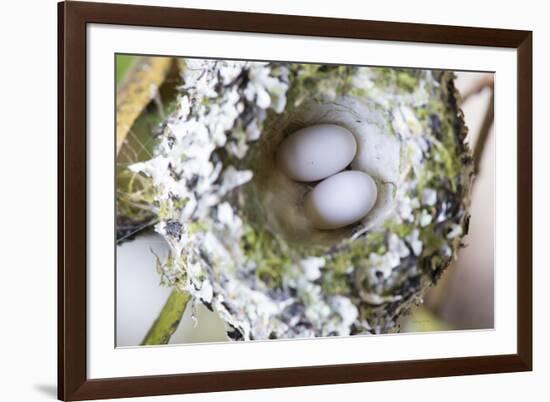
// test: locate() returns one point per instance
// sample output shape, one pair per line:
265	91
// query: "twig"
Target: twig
484	133
168	320
487	81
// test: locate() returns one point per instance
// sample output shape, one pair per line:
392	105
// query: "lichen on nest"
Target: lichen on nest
239	243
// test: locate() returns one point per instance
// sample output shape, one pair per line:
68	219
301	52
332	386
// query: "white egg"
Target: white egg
316	152
341	200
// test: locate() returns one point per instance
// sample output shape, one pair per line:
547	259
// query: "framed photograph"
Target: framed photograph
253	200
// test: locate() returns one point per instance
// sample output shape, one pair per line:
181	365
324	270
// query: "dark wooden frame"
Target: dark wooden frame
73	17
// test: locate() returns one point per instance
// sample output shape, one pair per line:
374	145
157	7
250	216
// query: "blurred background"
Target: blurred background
146	86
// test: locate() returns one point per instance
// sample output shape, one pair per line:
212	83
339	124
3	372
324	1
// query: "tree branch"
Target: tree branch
168	320
137	90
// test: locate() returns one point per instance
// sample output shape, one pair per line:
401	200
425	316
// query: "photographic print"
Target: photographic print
250	200
263	200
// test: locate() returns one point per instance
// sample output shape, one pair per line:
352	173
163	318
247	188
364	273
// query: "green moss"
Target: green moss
432	239
316	81
357	92
271	257
270	274
196	227
407	80
180	203
338	269
396	79
449	164
336	284
165	210
340	264
400	229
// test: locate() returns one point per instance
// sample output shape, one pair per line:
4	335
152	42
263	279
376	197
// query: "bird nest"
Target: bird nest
239	241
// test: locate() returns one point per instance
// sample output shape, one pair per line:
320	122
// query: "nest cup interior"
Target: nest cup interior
281	199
